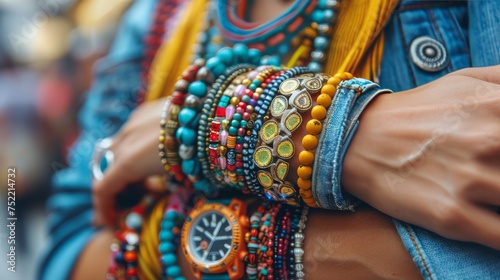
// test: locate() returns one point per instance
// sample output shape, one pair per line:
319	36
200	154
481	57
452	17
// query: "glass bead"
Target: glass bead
198	88
321	43
134	221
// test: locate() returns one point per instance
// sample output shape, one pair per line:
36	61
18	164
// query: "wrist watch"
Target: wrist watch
213	239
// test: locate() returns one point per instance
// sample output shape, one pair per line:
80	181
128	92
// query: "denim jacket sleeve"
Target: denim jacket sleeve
109	102
470	34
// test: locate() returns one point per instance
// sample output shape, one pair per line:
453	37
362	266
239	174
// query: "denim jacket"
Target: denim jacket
470	33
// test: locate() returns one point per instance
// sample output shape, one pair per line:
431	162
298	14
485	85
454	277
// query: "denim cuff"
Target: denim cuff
340	124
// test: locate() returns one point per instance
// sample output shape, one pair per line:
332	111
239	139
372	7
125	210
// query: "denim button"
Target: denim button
428	54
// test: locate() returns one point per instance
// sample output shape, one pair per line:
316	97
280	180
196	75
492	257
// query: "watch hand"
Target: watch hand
223	237
216	231
217	228
208	235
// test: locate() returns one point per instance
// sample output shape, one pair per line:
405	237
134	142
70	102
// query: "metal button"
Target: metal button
428	54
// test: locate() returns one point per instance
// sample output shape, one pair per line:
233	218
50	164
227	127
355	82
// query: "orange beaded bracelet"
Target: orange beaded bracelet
310	141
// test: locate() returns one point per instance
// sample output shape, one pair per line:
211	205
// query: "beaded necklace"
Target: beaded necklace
273	38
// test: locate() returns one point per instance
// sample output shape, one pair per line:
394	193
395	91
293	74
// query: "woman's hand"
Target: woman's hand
135	148
430	156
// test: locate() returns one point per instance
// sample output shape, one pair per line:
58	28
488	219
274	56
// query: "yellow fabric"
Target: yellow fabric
174	55
356	47
358	41
147	259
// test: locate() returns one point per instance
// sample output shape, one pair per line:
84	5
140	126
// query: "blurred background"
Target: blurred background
47	50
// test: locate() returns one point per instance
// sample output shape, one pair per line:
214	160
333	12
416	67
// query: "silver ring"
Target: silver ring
101	151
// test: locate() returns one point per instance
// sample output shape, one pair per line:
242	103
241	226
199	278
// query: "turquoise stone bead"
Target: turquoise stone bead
321	43
239	139
191	166
271	60
166	248
243	123
263	271
263	248
256	82
253	246
237	117
166	235
169	259
284	49
188	117
226	56
317	16
215	66
167	225
235	123
239	171
254	56
241	52
173	271
179	278
246	99
232	130
329	16
185	135
171	215
252	86
198	88
315	67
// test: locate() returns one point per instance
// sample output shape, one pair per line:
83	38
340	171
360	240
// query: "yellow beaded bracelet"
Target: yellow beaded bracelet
310	141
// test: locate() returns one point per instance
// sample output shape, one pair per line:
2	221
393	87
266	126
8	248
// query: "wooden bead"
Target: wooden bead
304	184
318	112
306	158
334	81
328	89
304	172
324	100
314	127
310	142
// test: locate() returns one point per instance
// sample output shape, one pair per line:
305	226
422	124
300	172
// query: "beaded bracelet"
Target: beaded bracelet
276	145
220	136
214	114
169	237
310	141
266	246
164	138
172	124
281	242
290	260
260	111
245	99
298	250
250	140
123	262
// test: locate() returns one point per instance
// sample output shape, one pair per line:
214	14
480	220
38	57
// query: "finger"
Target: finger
104	192
485	227
489	74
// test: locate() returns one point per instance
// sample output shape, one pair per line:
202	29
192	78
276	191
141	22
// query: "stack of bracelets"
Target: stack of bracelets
229	125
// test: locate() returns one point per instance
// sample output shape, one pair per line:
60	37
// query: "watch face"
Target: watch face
210	238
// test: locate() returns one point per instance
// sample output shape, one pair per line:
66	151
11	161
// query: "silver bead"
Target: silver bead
192	101
186	152
132	238
325	29
298	252
181	85
200	62
317	55
299	267
332	4
300	274
299	237
204	75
